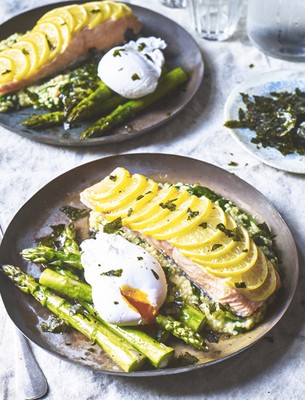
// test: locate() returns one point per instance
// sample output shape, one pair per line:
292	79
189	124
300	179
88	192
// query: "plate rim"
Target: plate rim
171	370
118	137
233	99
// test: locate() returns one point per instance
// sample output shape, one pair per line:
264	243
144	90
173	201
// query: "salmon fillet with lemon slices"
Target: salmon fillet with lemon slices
60	37
205	242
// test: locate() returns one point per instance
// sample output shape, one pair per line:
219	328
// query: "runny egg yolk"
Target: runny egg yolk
138	300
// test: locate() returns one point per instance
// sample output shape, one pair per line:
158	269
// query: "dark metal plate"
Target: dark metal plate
182	51
43	209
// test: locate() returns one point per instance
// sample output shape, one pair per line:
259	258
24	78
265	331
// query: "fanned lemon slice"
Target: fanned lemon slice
152	206
191	218
39	40
107	187
125	196
95	13
234	263
148	193
203	232
216	248
63	27
173	217
254	278
21	62
53	36
29	48
80	16
6	69
266	289
163	210
63	13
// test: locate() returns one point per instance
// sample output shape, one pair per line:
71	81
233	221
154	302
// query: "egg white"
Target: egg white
133	70
111	263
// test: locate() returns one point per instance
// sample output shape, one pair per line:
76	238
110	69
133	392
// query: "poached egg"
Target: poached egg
128	284
133	70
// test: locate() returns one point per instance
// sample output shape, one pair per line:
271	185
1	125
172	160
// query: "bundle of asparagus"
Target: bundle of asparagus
129	347
103	101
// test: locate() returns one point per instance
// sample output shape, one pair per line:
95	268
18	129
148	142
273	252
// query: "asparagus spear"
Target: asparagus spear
118	349
90	105
47	255
181	331
47	120
192	317
157	353
168	82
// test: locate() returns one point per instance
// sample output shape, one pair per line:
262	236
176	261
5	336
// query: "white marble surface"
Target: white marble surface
269	370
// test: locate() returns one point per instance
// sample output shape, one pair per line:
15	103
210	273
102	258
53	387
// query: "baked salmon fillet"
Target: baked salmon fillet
62	36
211	249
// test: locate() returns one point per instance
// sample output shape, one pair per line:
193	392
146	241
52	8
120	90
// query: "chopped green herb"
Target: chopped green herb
185	359
113	272
7	71
135	77
191	214
141	46
251	65
155	274
54	325
169	205
117	52
203	225
116	303
216	246
113	226
74	213
140	197
25	52
113	178
240	285
233	164
140	258
95	11
129	212
148	57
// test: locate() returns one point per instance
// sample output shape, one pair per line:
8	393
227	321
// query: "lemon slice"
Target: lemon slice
214	248
21	62
125	196
204	231
53	37
149	192
172	217
30	49
95	13
63	13
39	40
190	219
63	27
266	289
163	210
152	206
80	16
234	263
109	186
254	278
6	69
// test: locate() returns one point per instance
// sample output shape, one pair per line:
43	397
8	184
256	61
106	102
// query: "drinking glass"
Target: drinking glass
278	27
215	19
174	3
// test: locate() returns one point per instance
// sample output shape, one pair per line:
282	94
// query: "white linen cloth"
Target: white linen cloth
271	369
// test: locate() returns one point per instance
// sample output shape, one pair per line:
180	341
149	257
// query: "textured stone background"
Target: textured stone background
270	370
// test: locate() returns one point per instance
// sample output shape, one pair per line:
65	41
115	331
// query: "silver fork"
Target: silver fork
30	380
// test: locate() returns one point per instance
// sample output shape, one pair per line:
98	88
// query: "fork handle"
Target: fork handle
30	380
